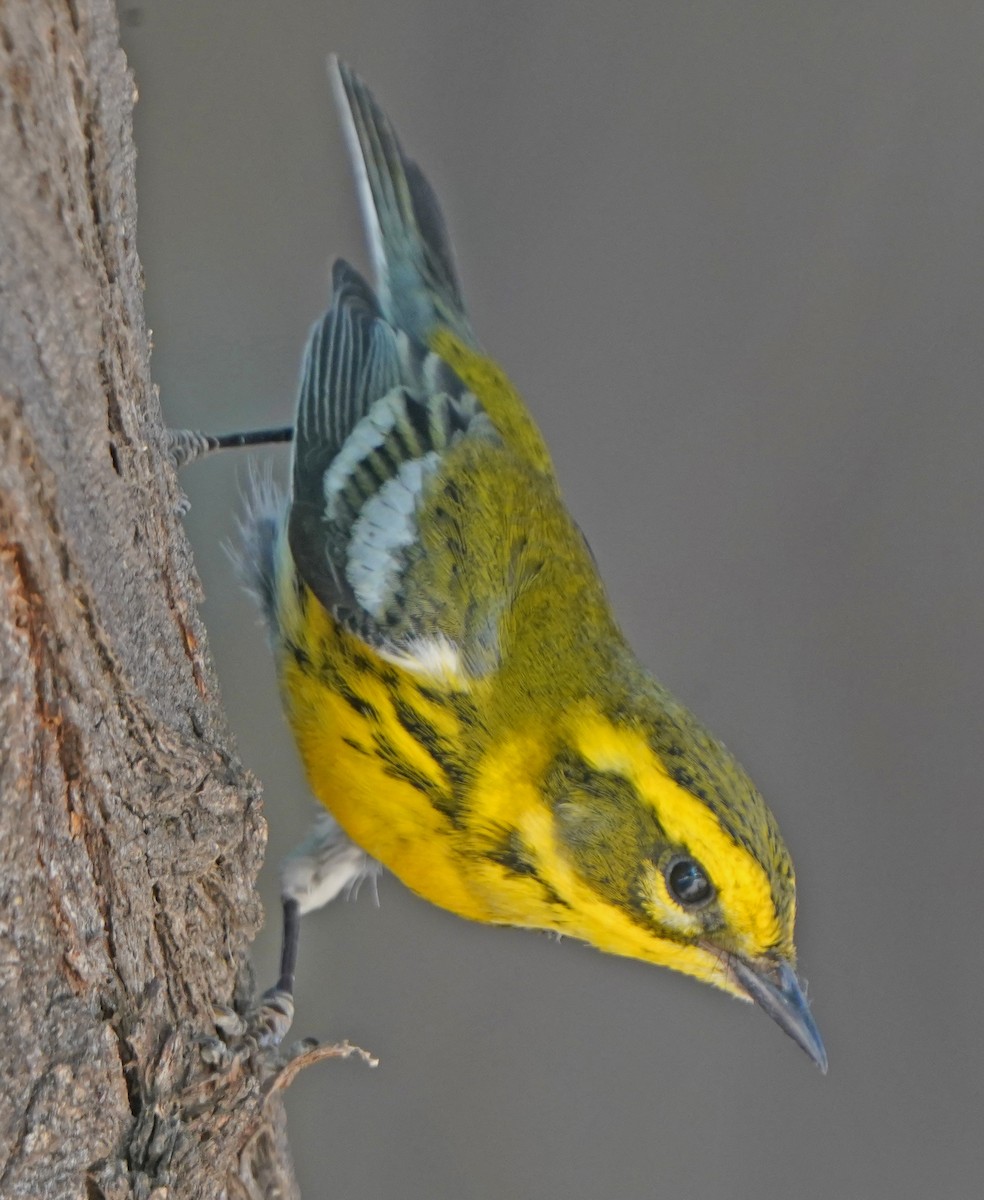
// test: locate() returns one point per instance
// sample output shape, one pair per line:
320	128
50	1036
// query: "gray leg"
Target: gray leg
186	445
324	865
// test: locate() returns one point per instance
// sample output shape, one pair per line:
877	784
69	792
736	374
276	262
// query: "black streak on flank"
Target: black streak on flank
362	707
457	702
356	745
337	682
362	663
299	655
514	856
399	768
426	736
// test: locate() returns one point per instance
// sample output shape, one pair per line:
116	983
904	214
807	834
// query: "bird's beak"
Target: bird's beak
773	985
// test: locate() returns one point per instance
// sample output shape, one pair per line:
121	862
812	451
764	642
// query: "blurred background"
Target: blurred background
733	255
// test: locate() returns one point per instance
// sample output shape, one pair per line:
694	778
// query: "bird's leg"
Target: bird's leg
274	1015
186	445
289	942
323	866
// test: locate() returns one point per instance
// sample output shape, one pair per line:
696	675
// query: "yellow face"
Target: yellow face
593	836
698	883
659	847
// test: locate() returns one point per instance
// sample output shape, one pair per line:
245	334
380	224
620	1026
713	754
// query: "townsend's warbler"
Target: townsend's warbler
465	704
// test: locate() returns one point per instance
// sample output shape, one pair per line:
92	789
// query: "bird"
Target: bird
466	707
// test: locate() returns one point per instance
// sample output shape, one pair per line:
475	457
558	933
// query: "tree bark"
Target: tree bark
130	835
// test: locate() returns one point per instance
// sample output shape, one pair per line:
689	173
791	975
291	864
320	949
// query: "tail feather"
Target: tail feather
254	554
409	245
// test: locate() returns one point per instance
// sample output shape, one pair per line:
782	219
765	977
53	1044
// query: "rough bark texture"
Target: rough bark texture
129	834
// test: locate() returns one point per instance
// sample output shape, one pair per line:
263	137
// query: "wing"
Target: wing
378	418
422	497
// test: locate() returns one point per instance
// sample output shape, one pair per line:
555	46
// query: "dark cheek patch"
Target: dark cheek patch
605	829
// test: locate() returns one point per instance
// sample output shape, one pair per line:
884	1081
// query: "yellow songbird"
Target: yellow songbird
466	707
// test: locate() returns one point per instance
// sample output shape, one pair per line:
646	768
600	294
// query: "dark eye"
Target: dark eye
687	883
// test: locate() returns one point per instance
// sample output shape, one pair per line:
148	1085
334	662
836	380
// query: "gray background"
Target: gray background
732	254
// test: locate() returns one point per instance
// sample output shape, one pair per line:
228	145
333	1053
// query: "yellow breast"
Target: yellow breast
383	752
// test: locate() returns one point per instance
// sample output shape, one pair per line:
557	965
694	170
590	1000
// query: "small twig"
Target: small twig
315	1053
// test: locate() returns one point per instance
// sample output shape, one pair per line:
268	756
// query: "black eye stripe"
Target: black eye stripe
688	883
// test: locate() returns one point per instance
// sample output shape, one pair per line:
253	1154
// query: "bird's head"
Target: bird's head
684	861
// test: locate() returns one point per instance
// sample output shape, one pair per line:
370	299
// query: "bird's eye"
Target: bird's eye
687	882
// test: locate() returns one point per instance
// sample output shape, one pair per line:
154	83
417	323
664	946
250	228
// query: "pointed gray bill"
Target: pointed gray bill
774	987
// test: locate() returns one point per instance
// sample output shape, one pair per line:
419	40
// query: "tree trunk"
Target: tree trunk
130	835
